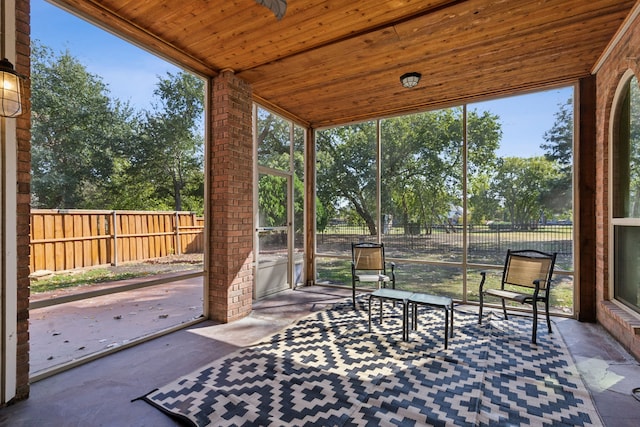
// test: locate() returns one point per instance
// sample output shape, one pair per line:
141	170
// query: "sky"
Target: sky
130	72
131	75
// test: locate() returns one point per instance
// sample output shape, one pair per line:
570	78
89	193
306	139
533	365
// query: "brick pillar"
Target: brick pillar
230	229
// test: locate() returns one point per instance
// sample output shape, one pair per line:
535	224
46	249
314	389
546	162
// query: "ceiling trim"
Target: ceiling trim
624	28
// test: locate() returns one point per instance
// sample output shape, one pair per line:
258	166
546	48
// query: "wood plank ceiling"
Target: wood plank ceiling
330	62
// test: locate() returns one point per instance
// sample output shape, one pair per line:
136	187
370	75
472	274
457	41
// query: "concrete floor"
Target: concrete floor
100	393
61	334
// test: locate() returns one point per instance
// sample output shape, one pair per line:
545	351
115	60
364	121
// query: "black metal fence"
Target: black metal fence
485	244
432	260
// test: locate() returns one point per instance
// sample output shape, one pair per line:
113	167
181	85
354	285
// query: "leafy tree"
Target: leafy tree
559	149
421	165
274	141
76	132
274	146
483	202
559	139
274	152
168	152
346	170
521	184
423	161
272	191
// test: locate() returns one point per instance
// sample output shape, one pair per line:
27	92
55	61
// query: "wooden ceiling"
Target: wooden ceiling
330	62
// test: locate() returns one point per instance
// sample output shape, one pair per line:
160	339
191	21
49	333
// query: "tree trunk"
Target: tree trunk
177	195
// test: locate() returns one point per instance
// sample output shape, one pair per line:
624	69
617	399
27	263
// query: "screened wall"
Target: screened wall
449	191
279	202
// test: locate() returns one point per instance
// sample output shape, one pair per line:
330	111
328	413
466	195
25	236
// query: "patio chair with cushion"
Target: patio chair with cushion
368	264
526	279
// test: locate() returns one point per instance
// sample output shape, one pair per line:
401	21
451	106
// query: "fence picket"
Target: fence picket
59	246
71	239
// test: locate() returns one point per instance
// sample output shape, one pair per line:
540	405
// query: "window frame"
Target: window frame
617	221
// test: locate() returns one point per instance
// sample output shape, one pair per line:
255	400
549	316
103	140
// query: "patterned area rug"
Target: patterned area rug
327	370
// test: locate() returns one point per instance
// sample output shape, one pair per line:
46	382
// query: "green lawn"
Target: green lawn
443	280
73	279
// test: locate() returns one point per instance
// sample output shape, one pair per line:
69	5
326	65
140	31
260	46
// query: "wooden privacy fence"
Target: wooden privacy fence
69	239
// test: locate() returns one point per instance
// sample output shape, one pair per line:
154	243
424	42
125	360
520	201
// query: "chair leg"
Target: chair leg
546	307
446	328
535	322
353	289
504	309
480	309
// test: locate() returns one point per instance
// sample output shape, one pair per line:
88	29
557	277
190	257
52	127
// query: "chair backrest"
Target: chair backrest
523	267
368	256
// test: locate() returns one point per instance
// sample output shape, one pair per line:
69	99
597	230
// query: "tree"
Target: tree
521	184
483	202
168	152
559	149
346	173
76	132
559	139
421	165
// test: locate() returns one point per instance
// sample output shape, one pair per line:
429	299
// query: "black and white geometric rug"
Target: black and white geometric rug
327	370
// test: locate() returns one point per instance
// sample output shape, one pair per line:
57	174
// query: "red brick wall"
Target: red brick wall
621	323
230	228
23	199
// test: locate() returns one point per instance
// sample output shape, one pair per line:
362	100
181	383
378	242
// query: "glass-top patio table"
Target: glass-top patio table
410	300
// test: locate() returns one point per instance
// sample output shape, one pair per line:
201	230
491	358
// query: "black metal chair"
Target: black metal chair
368	265
526	279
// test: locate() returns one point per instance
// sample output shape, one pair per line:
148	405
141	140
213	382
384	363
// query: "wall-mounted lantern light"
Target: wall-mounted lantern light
10	90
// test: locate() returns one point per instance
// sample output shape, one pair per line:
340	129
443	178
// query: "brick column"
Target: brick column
230	229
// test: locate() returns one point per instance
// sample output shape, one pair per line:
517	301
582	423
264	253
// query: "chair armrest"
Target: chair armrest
537	288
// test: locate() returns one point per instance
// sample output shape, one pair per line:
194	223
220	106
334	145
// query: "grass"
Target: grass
443	280
88	277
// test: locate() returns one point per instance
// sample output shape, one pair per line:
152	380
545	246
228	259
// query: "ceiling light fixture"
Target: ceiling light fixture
278	7
409	80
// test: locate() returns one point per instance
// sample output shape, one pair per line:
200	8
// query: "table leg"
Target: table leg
415	316
405	320
451	329
446	327
370	312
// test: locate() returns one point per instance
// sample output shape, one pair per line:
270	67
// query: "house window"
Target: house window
626	196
